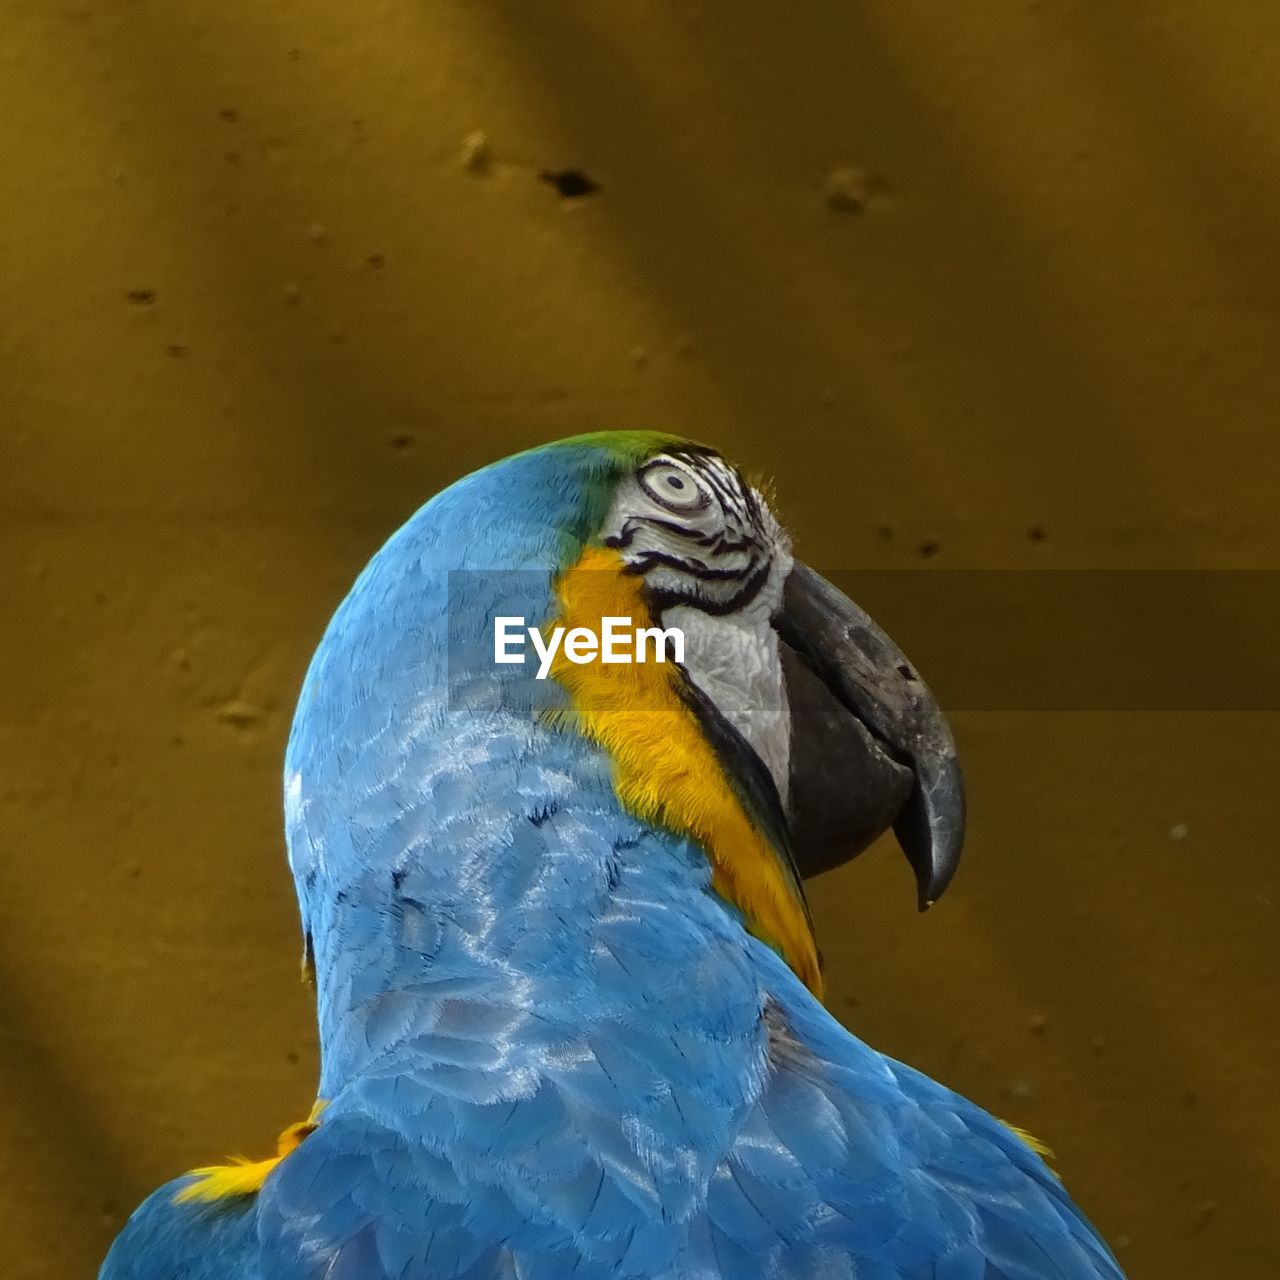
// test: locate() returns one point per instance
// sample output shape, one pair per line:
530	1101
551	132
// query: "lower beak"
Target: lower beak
870	748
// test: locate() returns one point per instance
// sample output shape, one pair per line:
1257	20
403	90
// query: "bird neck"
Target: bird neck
531	900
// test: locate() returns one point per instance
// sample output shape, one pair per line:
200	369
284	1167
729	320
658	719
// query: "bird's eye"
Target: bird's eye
673	486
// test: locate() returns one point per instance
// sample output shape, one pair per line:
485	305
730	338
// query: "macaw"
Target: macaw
568	993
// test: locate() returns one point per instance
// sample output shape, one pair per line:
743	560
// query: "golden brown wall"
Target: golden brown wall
254	307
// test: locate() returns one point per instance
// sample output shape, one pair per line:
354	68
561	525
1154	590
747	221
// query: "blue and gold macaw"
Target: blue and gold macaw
569	999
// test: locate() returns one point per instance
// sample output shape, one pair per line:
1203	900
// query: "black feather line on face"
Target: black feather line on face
694	568
633	525
724	547
730	495
661	599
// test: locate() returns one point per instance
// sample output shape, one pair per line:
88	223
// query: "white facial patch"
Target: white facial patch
714	560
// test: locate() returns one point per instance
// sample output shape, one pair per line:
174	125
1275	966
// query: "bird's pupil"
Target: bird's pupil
675	482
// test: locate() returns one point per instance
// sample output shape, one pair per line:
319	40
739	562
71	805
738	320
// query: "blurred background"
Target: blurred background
989	286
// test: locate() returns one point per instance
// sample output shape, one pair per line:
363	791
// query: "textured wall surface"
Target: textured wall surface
991	285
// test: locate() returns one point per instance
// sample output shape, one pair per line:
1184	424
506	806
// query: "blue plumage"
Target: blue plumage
165	1241
549	1049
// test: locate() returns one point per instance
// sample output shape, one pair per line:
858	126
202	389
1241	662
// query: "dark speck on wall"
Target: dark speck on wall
569	183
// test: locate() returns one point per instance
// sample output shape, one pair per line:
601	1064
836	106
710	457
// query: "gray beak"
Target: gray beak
870	748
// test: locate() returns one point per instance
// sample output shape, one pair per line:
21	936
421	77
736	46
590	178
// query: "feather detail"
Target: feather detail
241	1176
665	771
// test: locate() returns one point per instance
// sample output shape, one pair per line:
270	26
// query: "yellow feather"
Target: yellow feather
241	1177
1041	1149
664	769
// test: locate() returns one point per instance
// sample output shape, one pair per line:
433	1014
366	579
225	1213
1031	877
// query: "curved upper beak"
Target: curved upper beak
870	748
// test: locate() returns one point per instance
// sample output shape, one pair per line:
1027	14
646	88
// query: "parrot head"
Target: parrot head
785	735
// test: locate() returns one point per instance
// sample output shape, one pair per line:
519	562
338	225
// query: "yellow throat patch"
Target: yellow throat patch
664	769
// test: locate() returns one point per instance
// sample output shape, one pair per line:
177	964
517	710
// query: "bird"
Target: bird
569	998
